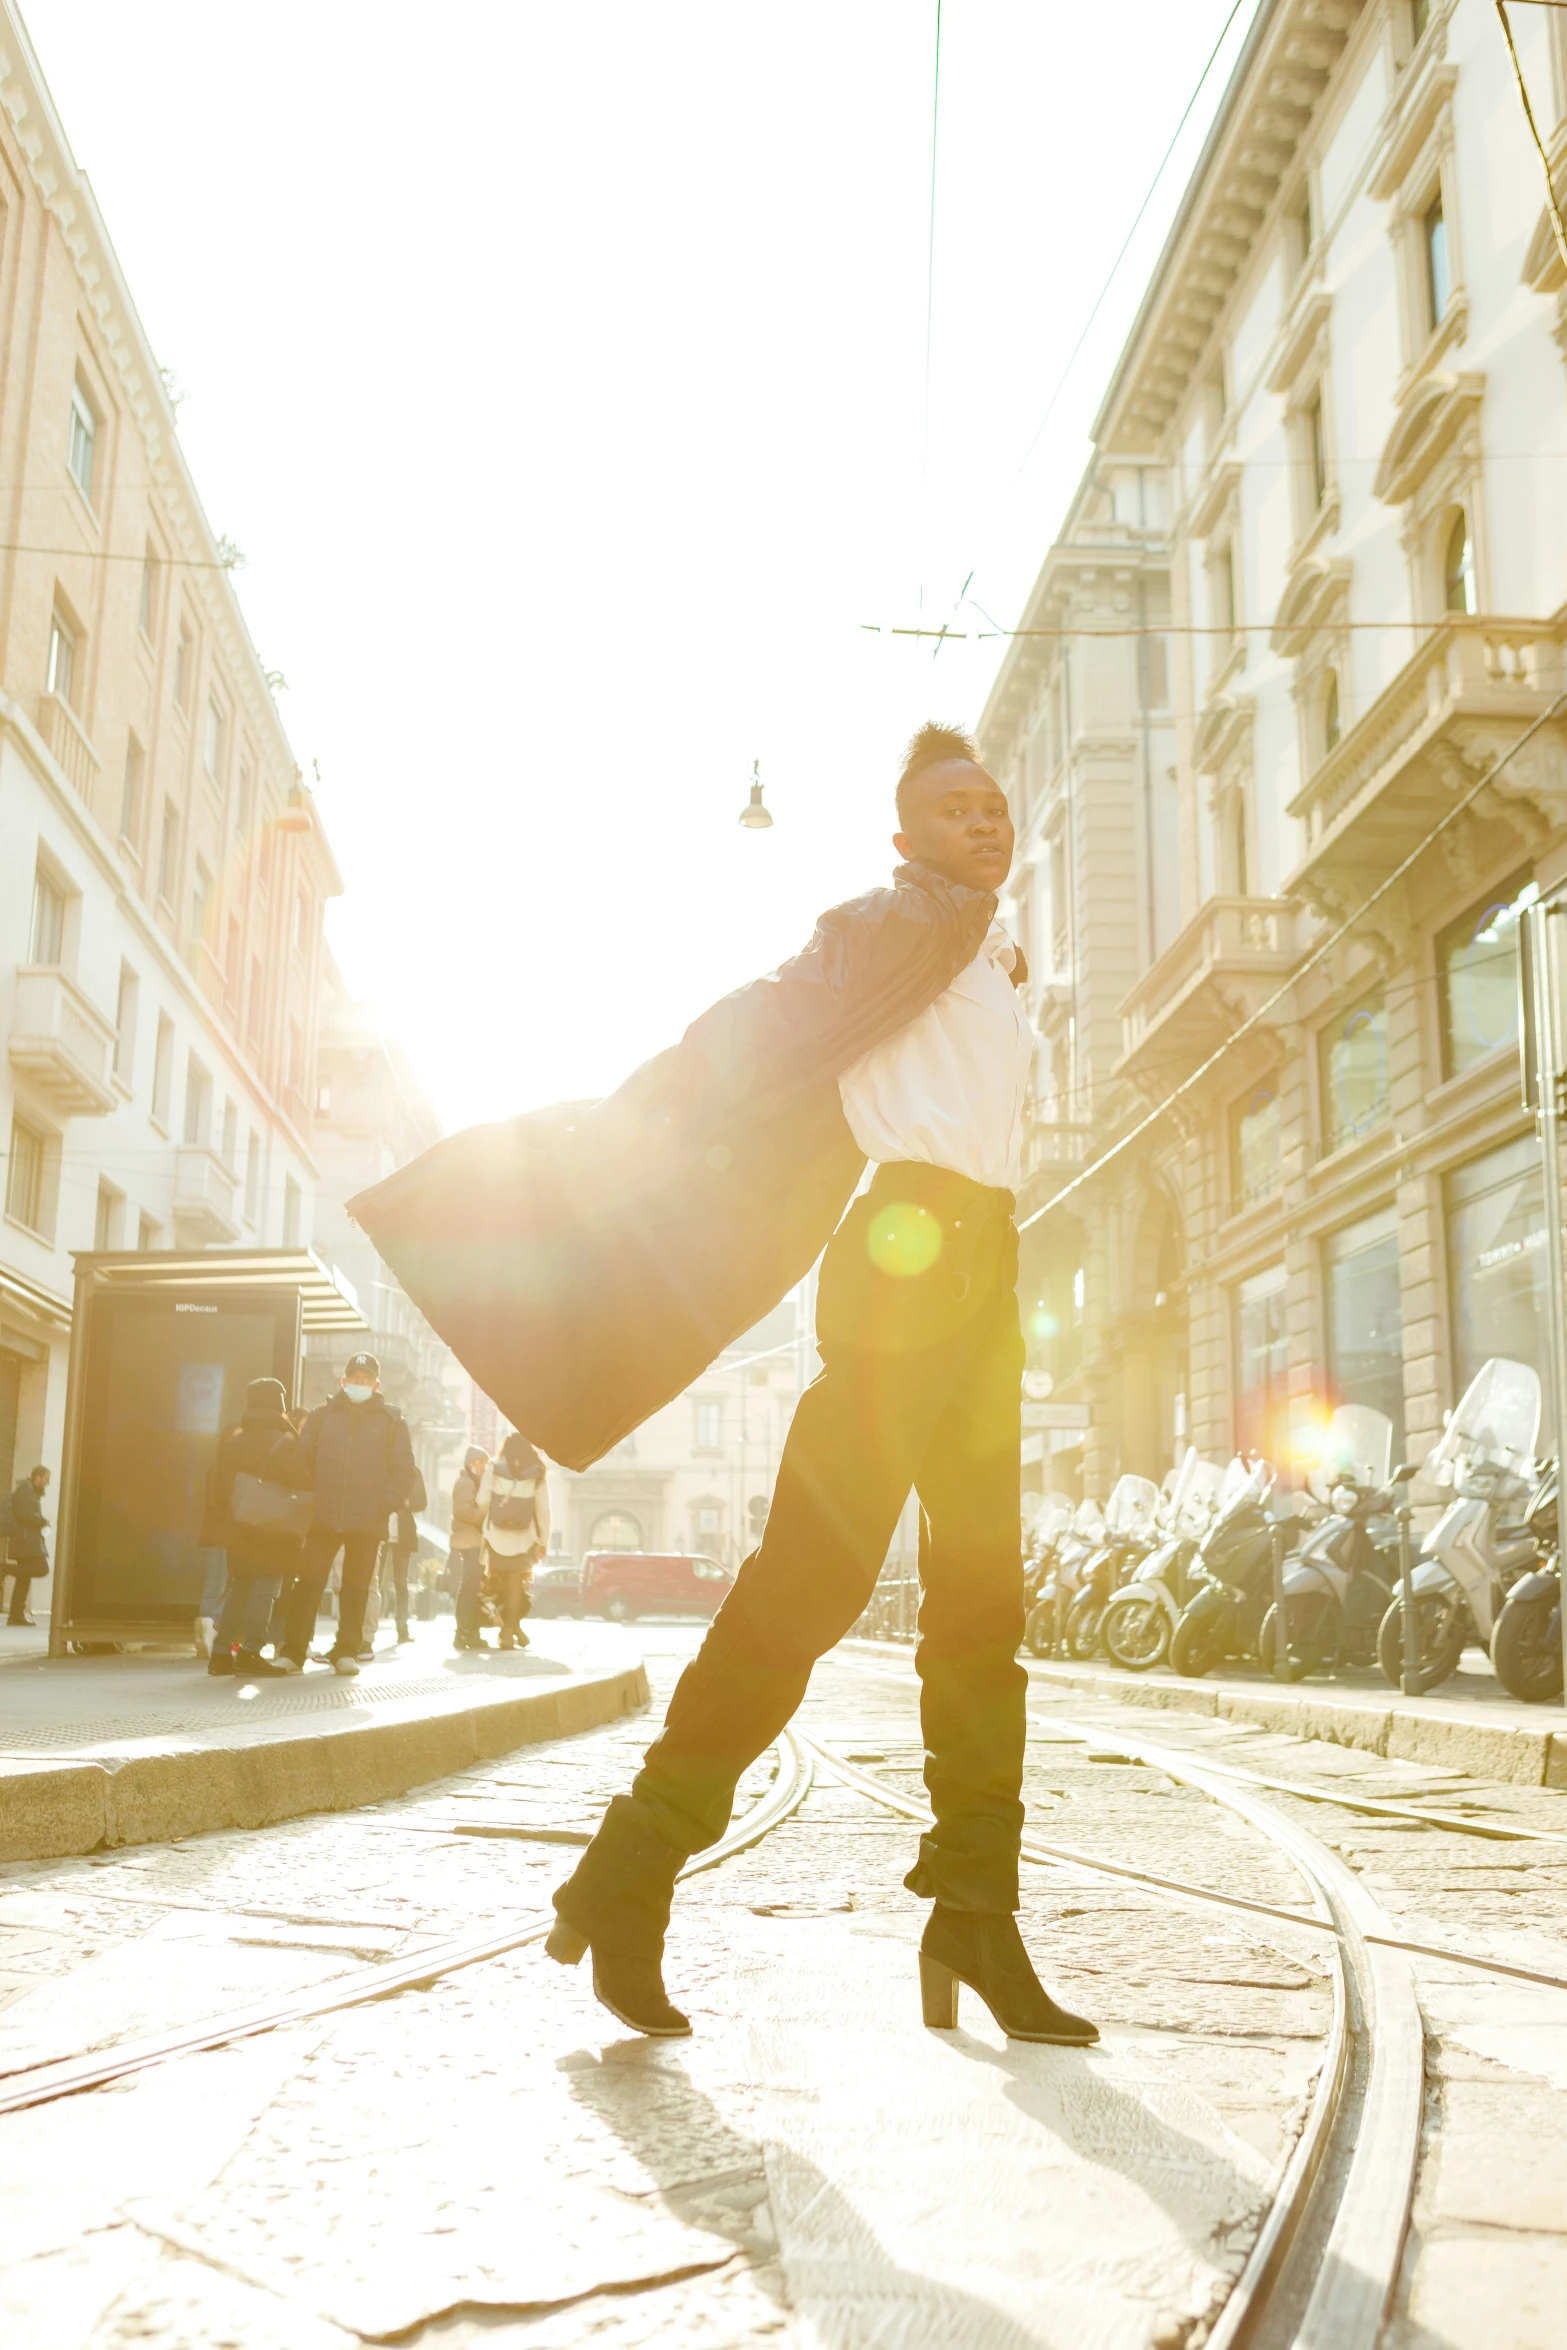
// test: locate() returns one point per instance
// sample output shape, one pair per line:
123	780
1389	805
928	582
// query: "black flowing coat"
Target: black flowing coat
586	1263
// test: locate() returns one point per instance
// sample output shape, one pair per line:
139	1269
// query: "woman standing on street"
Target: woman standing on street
516	1505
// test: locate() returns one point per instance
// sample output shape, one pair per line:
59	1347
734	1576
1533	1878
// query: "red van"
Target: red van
625	1584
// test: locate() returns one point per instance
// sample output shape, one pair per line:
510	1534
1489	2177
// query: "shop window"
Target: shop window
1458	568
1262	1365
615	1530
1356	1089
1365	1319
1256	1146
1496	1265
1477	968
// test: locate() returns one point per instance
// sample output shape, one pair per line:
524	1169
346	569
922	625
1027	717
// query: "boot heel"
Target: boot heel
565	1943
938	1995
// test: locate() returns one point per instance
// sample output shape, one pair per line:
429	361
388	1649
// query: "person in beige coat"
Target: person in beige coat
515	1501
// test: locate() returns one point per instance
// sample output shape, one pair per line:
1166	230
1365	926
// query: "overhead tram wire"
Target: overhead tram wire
1323	948
1557	227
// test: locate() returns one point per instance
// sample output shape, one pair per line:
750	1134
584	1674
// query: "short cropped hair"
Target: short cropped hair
933	746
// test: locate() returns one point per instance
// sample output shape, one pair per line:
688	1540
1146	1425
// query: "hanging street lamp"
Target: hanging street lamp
753	815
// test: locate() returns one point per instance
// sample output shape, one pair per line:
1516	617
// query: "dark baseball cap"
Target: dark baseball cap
365	1365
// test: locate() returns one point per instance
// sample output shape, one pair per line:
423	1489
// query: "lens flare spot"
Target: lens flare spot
904	1240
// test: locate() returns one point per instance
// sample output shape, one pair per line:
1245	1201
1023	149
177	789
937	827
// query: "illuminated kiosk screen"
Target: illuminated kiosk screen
166	1378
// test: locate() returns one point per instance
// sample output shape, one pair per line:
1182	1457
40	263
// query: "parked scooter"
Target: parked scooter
1139	1620
1231	1578
1337	1589
1131	1530
1079	1543
1470	1559
1526	1647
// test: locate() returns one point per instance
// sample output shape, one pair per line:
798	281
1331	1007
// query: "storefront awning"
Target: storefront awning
327	1296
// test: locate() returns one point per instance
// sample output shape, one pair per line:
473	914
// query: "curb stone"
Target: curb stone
1487	1750
50	1811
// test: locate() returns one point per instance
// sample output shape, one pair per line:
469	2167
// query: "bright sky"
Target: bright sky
561	371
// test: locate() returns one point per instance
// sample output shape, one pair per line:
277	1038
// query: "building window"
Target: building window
1433	239
212	741
1221	603
1496	1265
252	1177
1316	452
106	1222
62	659
1365	1319
291	1200
147	603
615	1530
146	1231
1060	905
125	1026
1458	568
230	1135
708	1433
163	1071
1332	724
1302	234
81	441
1262	1365
1356	1090
130	789
323	1101
231	965
1419	18
200	899
184	661
46	940
257	1005
293	1068
1477	971
1256	1147
168	843
24	1176
1156	672
198	1104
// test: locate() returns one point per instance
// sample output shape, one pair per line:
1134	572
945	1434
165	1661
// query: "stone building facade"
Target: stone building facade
163	873
1313	586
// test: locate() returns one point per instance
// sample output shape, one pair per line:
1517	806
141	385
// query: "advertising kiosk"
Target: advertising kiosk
163	1346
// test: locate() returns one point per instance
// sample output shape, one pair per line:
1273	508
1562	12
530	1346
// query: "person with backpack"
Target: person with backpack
466	1566
29	1559
515	1502
258	1556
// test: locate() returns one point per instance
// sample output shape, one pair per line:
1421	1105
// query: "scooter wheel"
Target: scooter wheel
1194	1649
1440	1634
1526	1648
1038	1630
1082	1628
1313	1648
1136	1633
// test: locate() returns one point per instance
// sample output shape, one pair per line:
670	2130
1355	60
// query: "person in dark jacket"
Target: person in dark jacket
29	1549
585	1275
257	1559
355	1455
467	1555
397	1553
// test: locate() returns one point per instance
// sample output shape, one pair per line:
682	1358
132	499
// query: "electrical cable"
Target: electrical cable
1318	953
1551	204
1481	623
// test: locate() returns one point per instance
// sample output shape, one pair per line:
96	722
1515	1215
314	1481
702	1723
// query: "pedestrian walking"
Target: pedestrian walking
516	1505
258	1556
467	1557
28	1542
586	1264
397	1551
355	1455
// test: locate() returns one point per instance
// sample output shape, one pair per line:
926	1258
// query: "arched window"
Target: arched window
1331	728
1458	568
615	1530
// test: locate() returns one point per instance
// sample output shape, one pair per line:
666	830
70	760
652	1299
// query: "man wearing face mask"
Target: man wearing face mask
355	1455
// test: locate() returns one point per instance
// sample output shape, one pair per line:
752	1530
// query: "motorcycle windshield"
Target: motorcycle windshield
1197	1504
1497	1423
1132	1507
1088	1519
1245	1483
1050	1519
1358	1447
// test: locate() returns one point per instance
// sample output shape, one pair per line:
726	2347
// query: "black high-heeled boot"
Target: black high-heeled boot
983	1948
616	1904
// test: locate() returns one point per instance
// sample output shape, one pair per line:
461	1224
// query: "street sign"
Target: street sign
1055	1415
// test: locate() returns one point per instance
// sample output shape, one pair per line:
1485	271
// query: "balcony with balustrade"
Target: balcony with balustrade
61	1043
1462	703
1225	963
66	737
206	1199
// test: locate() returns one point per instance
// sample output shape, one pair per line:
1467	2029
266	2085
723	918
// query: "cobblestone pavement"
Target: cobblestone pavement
491	2161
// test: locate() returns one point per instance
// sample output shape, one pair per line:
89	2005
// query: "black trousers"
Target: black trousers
920	1388
322	1544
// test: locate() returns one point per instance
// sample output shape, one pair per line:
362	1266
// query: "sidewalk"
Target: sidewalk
133	1750
1468	1724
